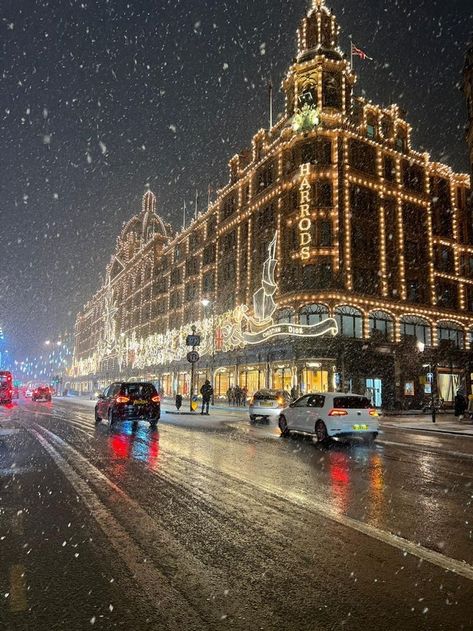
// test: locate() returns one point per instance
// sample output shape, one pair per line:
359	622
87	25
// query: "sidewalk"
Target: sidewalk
445	424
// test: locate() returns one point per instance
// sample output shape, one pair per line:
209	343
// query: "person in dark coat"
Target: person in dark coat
206	391
460	404
178	401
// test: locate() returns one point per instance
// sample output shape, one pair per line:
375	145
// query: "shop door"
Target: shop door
315	380
375	387
253	380
282	379
222	383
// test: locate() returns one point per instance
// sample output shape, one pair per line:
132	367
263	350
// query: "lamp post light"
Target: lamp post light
206	303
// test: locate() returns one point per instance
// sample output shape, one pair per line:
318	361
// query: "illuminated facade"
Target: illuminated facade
354	226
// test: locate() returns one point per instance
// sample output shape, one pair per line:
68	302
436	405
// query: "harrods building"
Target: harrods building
334	209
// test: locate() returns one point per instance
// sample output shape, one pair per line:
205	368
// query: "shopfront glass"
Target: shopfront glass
222	383
282	379
314	380
253	380
447	385
183	383
167	385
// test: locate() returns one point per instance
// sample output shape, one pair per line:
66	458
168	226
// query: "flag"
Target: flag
359	53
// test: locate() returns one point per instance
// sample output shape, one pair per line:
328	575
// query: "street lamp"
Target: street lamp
433	368
206	303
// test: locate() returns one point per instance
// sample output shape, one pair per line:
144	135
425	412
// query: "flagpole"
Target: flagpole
351	54
196	203
184	217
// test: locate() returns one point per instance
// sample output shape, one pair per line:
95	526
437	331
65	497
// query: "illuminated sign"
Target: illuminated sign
305	222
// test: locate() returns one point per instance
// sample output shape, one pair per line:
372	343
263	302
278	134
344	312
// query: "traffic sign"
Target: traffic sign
193	357
193	340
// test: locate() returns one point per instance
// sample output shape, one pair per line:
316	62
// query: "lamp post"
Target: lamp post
206	303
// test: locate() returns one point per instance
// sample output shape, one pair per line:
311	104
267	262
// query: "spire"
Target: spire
318	33
149	202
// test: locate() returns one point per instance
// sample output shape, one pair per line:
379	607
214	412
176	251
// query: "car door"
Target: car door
297	412
315	403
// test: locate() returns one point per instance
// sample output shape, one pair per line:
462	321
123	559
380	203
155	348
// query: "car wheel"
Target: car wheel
111	418
321	432
252	419
154	423
283	428
97	417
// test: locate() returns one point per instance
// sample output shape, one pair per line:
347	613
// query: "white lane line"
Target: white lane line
172	607
437	450
462	568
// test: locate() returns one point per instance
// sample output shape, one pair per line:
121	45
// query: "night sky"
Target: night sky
100	98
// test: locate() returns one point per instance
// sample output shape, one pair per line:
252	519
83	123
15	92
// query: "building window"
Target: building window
322	194
228	207
209	254
362	157
381	325
413	177
332	90
208	283
350	321
313	314
452	332
418	328
324	233
447	294
389	169
176	276
371	131
444	259
285	316
265	177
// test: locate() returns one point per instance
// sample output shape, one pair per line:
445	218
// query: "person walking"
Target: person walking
460	405
206	391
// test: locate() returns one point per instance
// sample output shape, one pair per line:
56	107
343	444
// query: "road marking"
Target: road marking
414	549
171	604
17	598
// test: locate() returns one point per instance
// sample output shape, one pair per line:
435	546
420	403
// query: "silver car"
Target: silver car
267	404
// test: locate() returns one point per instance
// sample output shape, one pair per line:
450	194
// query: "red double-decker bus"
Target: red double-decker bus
6	386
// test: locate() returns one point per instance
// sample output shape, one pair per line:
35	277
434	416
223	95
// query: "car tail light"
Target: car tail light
373	412
121	399
156	398
252	401
280	401
337	412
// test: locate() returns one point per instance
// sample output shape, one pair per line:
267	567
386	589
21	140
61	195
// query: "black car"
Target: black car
129	401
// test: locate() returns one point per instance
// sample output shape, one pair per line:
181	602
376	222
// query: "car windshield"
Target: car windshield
265	395
352	403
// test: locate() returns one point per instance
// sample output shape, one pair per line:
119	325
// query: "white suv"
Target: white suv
331	414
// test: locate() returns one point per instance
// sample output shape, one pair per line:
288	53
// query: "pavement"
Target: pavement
213	523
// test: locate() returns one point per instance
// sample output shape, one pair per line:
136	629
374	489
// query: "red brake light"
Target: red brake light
156	398
121	399
337	412
373	412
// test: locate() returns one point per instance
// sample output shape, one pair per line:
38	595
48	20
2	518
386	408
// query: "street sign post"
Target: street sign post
193	357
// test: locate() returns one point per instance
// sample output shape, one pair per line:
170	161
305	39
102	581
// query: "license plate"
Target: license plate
140	402
267	404
360	428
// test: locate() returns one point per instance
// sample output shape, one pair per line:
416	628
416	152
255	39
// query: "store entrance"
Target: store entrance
314	380
282	378
252	379
375	388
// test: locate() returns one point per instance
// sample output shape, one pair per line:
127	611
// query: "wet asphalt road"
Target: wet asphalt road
226	526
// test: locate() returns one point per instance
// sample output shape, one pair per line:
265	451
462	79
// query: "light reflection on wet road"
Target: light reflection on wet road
237	527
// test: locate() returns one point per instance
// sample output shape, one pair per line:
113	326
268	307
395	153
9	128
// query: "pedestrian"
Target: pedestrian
206	391
178	401
293	393
229	396
460	405
244	396
470	406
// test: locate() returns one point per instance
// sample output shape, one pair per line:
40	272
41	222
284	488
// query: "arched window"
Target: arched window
382	325
350	321
285	316
313	314
417	327
451	331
